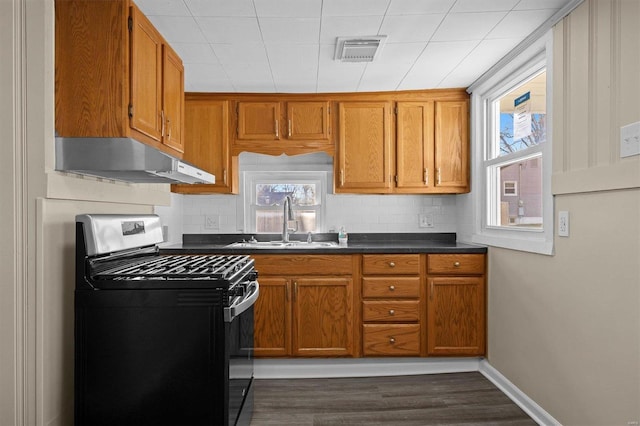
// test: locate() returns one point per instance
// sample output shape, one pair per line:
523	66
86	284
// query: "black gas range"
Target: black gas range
159	339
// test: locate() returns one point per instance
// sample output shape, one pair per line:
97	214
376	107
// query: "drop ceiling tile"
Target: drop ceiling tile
178	29
410	28
467	26
541	4
248	71
340	26
411	7
435	63
354	7
289	8
206	78
254	86
163	7
241	53
520	23
221	7
195	53
230	30
382	77
483	6
293	58
336	76
280	30
400	53
483	57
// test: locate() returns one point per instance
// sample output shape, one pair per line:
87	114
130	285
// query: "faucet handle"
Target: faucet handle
309	238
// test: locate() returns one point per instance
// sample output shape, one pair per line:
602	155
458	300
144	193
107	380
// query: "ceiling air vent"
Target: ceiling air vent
358	49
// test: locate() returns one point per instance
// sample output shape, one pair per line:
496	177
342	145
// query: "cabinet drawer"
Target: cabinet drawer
391	287
387	264
455	264
297	265
391	310
394	339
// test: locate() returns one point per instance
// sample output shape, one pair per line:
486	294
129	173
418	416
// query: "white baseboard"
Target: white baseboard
528	405
298	368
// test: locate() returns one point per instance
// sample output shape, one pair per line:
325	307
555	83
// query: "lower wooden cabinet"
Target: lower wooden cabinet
322	316
456	305
391	307
305	306
272	318
406	305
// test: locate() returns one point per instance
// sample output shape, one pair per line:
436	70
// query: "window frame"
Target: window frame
253	178
520	69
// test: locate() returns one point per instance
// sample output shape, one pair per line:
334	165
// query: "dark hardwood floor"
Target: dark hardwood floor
435	399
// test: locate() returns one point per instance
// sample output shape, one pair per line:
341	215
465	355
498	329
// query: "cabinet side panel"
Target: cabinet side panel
92	68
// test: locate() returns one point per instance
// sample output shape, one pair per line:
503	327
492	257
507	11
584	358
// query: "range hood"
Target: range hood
124	159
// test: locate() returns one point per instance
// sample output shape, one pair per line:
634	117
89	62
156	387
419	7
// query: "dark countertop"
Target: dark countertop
358	243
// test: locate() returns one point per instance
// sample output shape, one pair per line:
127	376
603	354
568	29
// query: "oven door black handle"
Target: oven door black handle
236	309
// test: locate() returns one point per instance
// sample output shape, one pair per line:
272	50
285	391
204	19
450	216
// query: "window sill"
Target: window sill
528	243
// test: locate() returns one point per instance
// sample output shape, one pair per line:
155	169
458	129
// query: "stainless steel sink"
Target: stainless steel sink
266	245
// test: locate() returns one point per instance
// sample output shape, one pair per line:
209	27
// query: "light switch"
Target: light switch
630	140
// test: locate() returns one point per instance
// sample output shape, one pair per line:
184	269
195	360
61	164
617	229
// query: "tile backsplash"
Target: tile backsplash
357	213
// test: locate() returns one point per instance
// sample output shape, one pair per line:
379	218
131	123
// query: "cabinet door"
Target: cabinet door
452	146
173	99
146	77
258	120
414	147
455	316
307	120
364	148
322	312
206	135
272	318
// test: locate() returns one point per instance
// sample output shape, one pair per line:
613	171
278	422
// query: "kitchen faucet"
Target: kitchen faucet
287	217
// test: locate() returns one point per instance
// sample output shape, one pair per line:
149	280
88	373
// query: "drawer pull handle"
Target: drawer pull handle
392	340
392	264
392	287
456	264
392	312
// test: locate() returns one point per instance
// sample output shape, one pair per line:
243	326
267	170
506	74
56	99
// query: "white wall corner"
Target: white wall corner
528	405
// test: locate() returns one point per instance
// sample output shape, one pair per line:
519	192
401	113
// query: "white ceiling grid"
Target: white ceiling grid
287	46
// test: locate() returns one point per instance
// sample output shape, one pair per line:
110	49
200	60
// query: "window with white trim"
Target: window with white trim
517	132
511	124
265	195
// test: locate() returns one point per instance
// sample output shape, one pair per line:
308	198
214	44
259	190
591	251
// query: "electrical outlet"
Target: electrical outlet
211	221
563	223
426	220
630	140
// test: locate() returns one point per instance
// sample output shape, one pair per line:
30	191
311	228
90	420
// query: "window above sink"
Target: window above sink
265	193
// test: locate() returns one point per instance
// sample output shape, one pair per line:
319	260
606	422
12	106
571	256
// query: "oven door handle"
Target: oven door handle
233	311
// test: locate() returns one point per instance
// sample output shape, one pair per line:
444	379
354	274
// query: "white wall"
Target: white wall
357	213
565	329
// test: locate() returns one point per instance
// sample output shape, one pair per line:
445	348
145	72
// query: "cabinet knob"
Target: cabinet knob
392	264
392	287
392	312
456	264
392	340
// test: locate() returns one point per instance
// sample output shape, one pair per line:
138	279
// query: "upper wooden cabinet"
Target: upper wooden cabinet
276	127
452	146
432	147
115	76
430	152
364	157
207	145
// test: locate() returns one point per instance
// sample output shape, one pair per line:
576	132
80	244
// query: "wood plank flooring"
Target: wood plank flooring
435	399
